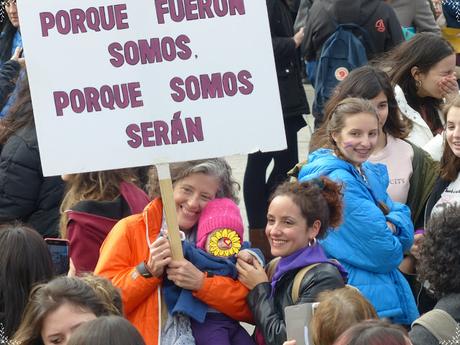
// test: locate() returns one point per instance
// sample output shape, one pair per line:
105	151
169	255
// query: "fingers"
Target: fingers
257	265
239	268
160	241
17	53
243	264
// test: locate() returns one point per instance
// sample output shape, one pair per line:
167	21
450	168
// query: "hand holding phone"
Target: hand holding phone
59	250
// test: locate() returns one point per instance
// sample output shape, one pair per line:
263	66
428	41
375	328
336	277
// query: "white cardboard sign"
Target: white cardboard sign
128	83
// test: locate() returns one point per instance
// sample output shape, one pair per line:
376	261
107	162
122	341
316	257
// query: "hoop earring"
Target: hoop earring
418	84
312	242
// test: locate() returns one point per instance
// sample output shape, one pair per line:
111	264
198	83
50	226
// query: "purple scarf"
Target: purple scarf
303	257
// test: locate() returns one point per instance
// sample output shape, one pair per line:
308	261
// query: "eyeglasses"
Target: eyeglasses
8	3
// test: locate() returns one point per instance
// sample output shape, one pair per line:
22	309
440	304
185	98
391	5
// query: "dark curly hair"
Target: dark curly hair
440	252
318	199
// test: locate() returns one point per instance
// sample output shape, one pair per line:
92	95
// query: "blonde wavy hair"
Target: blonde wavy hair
97	186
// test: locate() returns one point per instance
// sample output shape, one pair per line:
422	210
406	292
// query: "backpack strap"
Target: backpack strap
271	267
298	280
440	324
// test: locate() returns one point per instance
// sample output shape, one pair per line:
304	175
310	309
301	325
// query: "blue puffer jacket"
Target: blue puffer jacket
364	244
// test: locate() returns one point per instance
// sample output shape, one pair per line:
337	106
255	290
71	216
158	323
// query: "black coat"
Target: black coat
8	75
375	16
287	59
439	188
269	312
25	194
6	41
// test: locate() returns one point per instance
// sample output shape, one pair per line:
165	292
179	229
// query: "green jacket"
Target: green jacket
425	171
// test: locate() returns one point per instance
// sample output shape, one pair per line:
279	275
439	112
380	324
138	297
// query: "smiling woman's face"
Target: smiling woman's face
59	325
358	137
191	194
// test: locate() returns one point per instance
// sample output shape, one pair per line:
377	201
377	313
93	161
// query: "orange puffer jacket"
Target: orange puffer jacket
126	246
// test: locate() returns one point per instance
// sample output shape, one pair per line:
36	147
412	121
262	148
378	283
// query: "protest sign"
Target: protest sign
129	83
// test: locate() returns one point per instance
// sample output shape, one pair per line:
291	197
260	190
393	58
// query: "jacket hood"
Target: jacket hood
322	162
132	200
351	11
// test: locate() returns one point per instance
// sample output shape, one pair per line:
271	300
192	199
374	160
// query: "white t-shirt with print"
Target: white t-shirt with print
397	155
451	195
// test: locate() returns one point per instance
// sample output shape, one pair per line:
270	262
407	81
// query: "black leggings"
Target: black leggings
256	189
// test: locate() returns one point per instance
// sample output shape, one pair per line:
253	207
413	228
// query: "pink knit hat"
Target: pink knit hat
220	213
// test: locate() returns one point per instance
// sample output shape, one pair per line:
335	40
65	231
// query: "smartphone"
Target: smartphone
59	250
298	319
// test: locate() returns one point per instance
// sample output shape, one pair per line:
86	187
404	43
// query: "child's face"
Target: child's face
223	243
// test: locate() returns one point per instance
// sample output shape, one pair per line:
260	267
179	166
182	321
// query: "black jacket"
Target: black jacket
439	187
375	16
6	41
8	75
25	194
419	335
287	59
269	312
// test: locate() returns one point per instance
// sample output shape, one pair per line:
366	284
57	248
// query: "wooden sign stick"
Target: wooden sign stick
169	207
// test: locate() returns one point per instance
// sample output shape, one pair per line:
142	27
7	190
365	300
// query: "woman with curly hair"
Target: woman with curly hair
438	265
299	214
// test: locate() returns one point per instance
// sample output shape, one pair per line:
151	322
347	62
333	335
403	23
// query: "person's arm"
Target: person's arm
321	278
283	47
365	240
117	263
227	296
310	45
400	216
224	294
395	34
424	18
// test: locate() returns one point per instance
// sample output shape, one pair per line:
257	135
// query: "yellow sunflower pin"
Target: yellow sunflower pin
224	242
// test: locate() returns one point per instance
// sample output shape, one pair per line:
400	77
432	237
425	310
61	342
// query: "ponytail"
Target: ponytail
332	193
318	199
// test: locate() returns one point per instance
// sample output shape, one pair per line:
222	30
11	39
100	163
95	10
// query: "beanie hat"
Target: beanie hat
220	213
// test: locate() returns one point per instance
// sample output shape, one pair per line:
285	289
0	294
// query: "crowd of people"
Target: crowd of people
365	230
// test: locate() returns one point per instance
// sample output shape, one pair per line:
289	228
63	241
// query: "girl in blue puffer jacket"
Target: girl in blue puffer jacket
375	231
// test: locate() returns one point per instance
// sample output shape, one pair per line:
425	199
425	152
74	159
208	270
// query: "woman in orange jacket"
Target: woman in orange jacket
135	258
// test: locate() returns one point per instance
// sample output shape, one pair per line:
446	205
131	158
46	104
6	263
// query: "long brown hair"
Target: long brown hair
46	298
336	122
450	163
97	186
365	82
423	51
